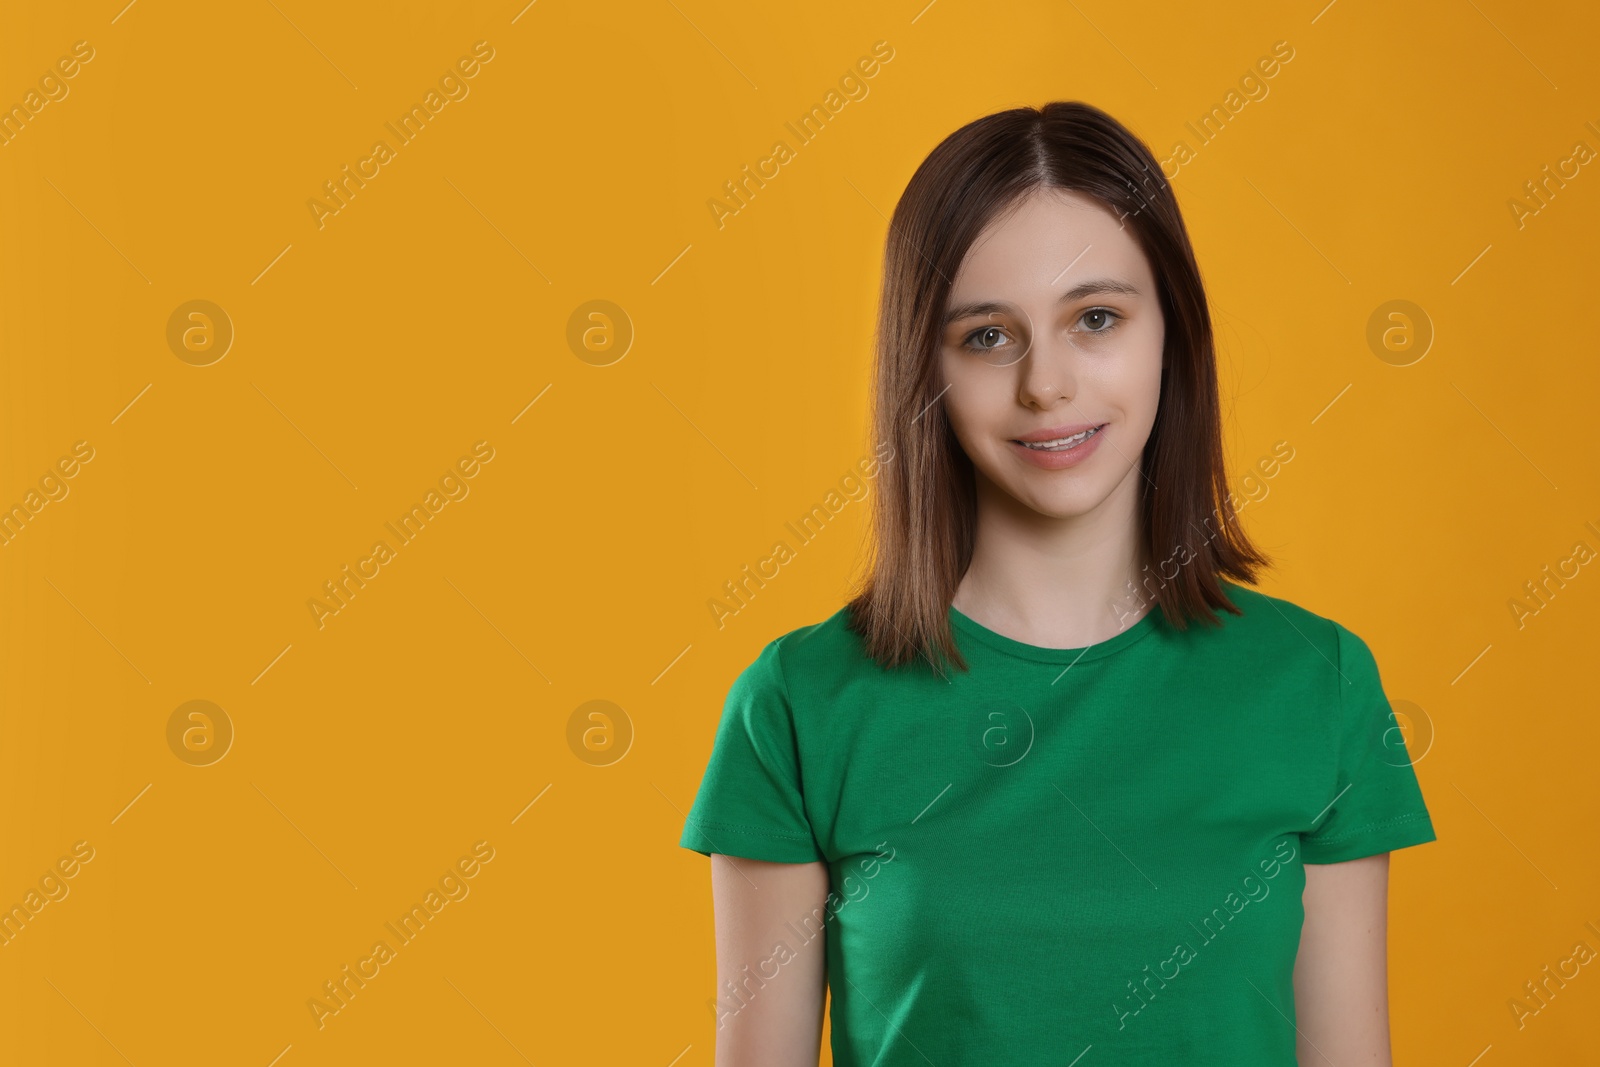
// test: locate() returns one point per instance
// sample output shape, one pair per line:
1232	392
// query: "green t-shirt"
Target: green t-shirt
1063	850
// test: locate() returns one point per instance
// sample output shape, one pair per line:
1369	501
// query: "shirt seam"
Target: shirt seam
794	736
1341	683
977	632
1380	824
762	830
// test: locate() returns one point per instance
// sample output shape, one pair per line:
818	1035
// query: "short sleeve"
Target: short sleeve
1378	805
750	802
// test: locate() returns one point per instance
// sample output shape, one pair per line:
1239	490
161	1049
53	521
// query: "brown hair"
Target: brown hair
925	516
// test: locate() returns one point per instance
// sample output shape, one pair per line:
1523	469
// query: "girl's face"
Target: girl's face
1054	327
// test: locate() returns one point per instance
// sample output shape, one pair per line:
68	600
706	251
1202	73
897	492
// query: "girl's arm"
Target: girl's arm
771	982
1341	988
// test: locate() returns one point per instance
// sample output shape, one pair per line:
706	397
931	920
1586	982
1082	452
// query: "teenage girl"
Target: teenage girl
1053	788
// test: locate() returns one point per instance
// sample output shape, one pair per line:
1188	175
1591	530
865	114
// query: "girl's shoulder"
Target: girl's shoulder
1270	622
818	657
1264	608
826	641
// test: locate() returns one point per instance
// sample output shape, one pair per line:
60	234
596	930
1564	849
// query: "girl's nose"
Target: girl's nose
1047	371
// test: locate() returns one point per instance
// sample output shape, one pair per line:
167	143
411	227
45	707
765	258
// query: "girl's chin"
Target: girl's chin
1063	502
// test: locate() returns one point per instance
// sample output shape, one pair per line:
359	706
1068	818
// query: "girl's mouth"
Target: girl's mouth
1061	444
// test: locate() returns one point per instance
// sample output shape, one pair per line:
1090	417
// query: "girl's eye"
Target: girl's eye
1106	315
988	339
984	332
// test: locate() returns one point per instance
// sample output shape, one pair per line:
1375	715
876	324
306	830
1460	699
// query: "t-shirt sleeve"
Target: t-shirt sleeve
750	802
1378	805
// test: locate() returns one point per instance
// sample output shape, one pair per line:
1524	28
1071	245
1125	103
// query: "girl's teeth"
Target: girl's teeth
1060	443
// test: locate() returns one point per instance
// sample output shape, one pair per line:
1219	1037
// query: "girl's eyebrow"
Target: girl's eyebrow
1092	287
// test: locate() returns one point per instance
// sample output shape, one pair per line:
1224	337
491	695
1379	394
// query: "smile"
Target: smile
1060	444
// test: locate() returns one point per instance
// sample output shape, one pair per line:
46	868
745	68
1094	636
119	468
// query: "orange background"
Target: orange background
438	705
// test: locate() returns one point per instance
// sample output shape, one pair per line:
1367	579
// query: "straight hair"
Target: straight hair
925	516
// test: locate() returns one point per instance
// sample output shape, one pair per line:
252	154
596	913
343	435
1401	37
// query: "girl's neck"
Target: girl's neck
1055	582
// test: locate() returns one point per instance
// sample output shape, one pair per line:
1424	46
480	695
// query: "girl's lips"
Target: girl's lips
1054	461
1055	433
